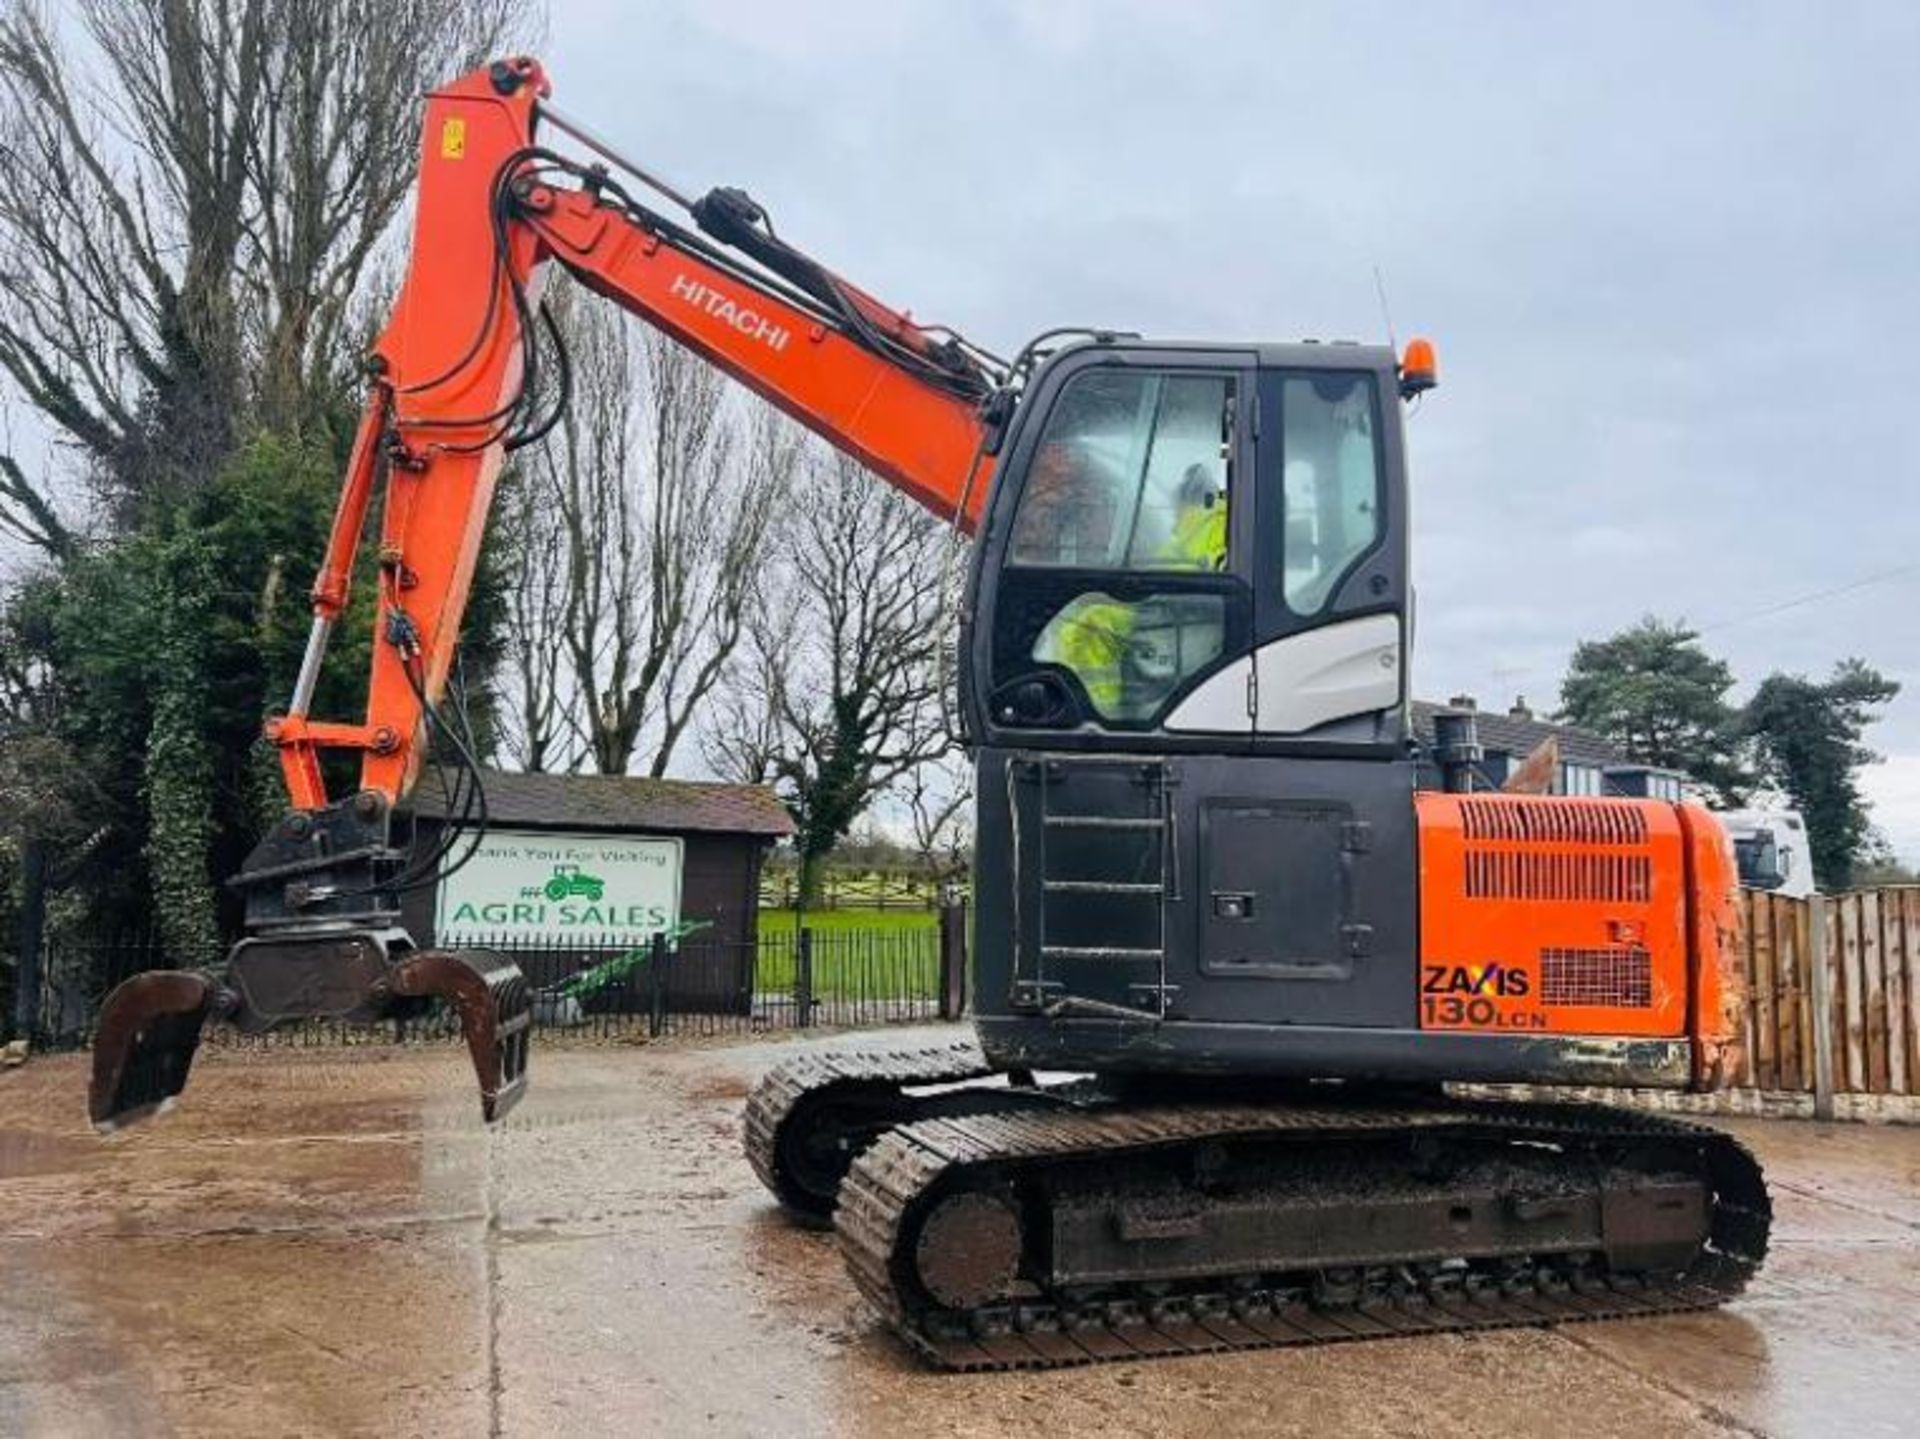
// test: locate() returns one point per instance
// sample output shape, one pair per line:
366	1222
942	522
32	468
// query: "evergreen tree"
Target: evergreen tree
1809	739
1655	692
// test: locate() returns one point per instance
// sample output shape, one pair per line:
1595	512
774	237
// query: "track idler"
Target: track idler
151	1025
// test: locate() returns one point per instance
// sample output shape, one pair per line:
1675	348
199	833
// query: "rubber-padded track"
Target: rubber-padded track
882	1196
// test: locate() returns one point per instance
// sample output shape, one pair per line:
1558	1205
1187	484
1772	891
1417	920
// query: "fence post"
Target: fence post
33	930
803	978
1822	984
953	959
657	986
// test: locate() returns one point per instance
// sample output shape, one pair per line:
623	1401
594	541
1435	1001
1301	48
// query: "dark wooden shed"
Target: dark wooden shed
722	833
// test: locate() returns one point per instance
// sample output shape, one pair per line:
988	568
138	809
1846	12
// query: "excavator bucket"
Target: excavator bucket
495	1006
148	1032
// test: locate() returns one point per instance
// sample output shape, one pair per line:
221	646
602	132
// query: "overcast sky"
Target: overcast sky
1669	254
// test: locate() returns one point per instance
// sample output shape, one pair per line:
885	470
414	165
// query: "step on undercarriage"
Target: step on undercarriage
1030	1227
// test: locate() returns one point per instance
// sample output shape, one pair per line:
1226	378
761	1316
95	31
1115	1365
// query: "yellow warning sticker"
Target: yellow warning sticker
453	139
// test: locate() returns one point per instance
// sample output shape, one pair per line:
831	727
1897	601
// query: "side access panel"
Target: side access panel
1278	901
1302	911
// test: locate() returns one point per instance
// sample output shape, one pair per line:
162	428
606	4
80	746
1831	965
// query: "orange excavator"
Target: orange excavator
1220	885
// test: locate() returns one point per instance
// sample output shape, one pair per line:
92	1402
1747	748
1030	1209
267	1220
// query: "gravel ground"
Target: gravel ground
331	1243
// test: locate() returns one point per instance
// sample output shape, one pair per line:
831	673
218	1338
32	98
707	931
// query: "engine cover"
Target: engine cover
1553	915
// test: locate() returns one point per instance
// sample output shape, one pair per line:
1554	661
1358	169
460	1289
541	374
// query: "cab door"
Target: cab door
1116	587
1305	850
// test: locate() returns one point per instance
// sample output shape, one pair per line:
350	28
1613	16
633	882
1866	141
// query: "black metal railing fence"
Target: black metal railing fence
790	977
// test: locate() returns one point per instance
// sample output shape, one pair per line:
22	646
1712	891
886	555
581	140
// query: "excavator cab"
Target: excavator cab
1186	682
324	942
1205	840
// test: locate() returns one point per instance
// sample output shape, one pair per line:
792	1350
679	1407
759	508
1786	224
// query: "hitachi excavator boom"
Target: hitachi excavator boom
463	374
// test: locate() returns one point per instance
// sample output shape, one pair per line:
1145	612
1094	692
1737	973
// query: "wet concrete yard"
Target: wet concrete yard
330	1242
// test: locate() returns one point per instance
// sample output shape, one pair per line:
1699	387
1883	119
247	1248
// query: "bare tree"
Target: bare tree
532	697
192	193
28	513
714	552
939	799
666	482
839	695
330	165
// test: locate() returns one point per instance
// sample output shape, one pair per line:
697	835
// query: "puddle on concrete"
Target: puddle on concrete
341	1246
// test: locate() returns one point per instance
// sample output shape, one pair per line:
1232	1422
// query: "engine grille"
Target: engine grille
1510	874
1555	821
1618	978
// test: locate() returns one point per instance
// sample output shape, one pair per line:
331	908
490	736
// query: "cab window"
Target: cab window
1131	473
1130	656
1330	481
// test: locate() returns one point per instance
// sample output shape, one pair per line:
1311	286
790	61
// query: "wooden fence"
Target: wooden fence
861	889
1850	1026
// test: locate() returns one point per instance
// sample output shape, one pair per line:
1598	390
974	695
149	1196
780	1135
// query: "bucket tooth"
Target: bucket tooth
149	1029
495	1006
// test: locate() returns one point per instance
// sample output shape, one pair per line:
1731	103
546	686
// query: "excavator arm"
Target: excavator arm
453	383
467	370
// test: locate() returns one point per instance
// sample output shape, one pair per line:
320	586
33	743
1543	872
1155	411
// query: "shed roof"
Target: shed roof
1512	735
624	802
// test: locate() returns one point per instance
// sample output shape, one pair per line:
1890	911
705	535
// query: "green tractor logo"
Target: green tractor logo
570	882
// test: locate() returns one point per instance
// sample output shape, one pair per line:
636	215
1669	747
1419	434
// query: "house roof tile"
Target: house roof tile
1520	737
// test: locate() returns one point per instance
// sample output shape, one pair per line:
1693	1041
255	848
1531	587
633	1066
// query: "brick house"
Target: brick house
1589	764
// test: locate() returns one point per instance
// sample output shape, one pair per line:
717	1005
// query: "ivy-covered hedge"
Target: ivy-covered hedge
165	648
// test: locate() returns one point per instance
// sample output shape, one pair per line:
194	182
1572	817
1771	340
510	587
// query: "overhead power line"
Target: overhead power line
1813	598
1506	675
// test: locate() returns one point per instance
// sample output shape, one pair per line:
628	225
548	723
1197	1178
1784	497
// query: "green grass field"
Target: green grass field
845	921
893	954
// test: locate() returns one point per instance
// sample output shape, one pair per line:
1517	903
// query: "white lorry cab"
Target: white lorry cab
1770	847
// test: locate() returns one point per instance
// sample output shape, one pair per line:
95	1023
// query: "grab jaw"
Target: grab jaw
324	943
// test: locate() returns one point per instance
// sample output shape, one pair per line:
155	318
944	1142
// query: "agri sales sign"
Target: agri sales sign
561	887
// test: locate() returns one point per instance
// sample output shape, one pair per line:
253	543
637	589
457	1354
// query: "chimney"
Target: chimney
1520	710
1462	702
1456	749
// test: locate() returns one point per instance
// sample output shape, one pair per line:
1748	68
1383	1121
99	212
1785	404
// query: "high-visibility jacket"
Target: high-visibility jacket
1200	536
1092	640
1092	635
